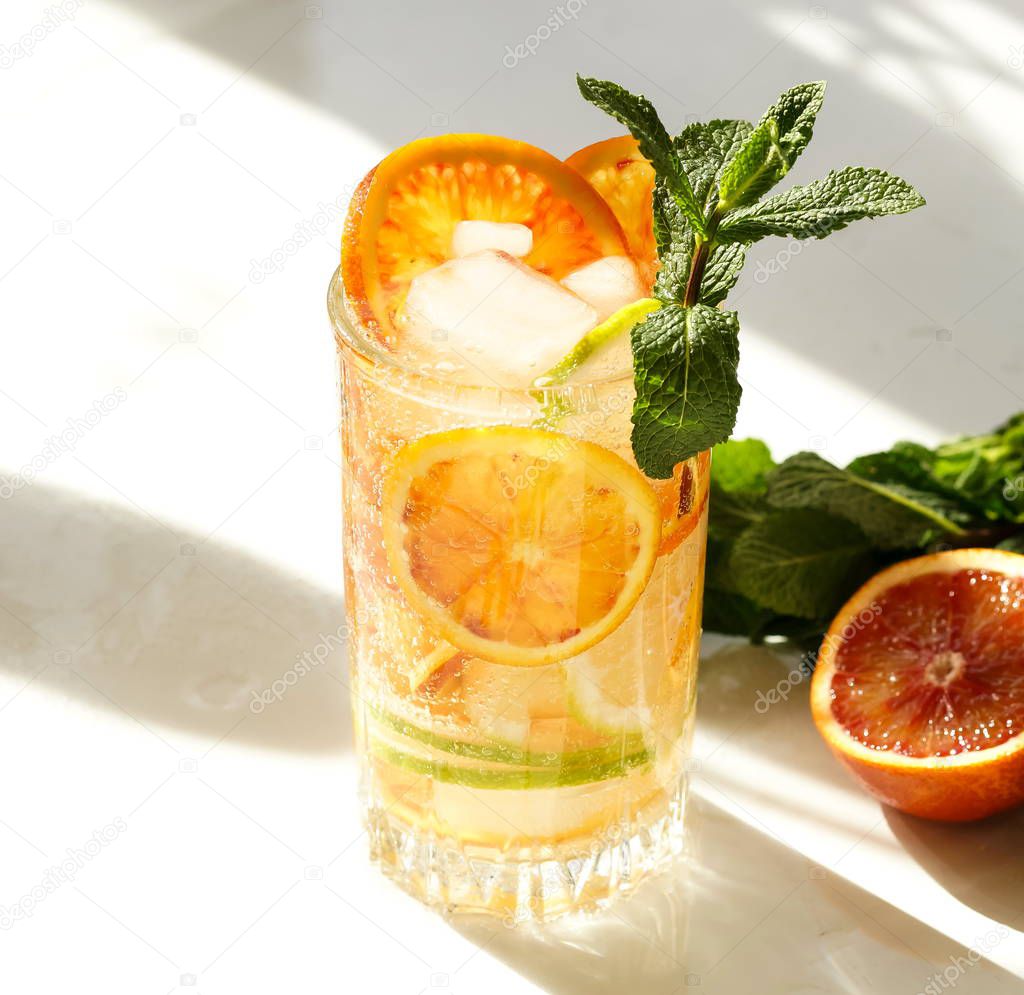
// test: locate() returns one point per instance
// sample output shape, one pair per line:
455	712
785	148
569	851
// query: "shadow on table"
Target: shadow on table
742	914
980	863
179	634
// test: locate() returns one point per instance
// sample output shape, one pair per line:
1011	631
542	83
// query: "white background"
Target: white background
182	550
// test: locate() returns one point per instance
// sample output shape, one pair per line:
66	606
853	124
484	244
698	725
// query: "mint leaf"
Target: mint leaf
800	562
637	113
733	513
772	148
687	391
717	573
907	465
794	113
738	498
988	469
706	149
888	501
674	239
732	614
722	272
892	516
757	167
707	181
669	221
741	466
970	471
822	207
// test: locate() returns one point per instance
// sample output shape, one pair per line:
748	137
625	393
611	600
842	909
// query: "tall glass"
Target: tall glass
520	788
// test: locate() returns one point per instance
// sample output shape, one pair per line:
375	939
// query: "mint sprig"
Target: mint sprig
709	181
892	515
789	542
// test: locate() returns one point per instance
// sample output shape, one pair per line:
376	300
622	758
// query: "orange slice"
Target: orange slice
683	497
919	687
625	179
518	545
402	217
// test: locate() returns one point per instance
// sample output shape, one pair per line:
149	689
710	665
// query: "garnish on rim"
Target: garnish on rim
403	216
707	207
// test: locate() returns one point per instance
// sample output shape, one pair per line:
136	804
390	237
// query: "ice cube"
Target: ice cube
502	321
607	284
475	236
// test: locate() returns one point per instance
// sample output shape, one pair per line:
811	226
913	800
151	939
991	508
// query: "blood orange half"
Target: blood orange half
919	687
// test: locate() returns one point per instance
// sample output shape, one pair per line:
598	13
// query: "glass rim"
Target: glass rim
353	338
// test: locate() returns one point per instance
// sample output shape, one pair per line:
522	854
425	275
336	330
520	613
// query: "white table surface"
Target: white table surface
183	547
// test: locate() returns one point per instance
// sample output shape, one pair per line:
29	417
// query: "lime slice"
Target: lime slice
484	775
601	346
626	704
507	716
388	728
610	698
639	681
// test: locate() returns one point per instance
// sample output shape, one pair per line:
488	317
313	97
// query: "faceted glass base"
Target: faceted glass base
538	884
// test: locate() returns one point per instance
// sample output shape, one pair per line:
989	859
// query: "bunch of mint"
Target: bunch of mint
709	205
788	543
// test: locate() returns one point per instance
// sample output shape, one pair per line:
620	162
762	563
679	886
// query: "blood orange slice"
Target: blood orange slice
625	179
919	687
403	216
518	545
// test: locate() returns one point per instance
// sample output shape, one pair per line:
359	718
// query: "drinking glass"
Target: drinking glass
499	775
